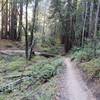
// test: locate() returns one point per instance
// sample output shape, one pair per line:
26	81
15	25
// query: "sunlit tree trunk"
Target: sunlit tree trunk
32	41
20	21
44	22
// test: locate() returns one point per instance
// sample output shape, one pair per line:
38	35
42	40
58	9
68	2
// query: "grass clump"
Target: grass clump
87	52
2	98
37	59
42	75
16	64
45	73
92	68
47	91
2	62
82	54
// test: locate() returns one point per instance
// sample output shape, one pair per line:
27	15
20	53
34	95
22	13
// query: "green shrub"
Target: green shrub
92	68
49	41
42	73
46	70
16	64
82	54
2	98
86	53
47	91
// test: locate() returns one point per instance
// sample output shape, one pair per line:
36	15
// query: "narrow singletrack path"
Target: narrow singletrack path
73	86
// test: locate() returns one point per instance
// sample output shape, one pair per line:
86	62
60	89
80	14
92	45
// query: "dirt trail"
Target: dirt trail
72	85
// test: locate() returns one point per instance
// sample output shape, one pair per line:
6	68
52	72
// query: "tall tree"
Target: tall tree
26	30
13	20
32	40
20	20
84	22
91	17
96	25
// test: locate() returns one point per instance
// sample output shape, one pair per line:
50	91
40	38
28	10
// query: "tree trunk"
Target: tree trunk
6	25
84	23
32	30
26	30
14	20
96	24
20	21
43	33
90	19
74	20
2	21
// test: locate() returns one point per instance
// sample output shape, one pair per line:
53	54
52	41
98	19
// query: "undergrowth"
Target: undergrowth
82	54
89	63
41	71
92	68
47	69
1	98
85	53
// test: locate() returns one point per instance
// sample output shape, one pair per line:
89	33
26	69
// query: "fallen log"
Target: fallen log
22	53
12	52
9	87
17	76
6	54
45	54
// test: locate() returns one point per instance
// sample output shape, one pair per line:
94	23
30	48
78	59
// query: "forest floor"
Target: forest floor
11	45
31	80
13	69
68	84
72	85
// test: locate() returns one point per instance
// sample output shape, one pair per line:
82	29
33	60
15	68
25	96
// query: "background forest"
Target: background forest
36	36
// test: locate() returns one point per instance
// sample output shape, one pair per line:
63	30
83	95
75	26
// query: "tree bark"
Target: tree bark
26	30
90	19
14	20
20	21
32	29
84	23
96	24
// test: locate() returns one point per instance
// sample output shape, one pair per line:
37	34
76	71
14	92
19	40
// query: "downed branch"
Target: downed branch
41	72
45	54
6	88
96	75
16	76
22	53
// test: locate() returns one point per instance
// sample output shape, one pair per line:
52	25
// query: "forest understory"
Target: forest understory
27	80
49	49
39	78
